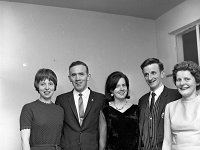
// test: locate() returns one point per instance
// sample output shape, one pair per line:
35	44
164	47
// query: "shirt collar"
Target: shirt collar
159	90
84	93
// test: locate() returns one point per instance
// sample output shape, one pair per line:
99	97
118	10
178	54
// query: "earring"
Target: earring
111	95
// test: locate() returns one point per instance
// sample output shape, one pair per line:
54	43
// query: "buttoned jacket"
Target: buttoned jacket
76	136
166	96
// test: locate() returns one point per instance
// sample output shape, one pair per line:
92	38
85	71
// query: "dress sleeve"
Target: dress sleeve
26	118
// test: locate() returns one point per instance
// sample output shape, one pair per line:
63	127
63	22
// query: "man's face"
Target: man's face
78	76
153	76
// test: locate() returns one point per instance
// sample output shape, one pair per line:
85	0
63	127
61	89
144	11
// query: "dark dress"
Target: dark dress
45	122
122	128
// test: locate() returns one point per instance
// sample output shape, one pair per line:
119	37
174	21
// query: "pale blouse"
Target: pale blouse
184	118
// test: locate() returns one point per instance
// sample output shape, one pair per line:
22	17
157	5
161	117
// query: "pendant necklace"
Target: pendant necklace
122	106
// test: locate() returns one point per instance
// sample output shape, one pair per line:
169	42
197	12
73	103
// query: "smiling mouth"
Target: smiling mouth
47	92
121	93
183	88
78	83
150	82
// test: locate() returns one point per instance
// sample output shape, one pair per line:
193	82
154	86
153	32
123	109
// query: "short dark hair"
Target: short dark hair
43	74
190	66
150	61
76	63
111	84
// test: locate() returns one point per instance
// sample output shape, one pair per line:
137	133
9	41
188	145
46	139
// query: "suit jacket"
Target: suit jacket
166	96
74	136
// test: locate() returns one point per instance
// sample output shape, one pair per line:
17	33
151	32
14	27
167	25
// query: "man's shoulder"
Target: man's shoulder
171	91
172	94
98	96
145	95
97	93
63	97
65	94
143	98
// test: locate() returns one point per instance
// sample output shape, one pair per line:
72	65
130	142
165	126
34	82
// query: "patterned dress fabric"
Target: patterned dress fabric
184	118
122	128
45	122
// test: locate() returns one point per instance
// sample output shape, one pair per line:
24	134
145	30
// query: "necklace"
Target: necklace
122	106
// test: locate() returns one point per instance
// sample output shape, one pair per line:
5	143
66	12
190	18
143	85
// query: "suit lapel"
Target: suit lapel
72	105
162	103
89	104
145	110
144	113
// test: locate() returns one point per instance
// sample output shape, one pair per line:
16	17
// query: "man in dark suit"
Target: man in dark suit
84	125
152	105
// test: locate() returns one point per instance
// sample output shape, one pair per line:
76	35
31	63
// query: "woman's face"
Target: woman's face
121	90
186	84
46	89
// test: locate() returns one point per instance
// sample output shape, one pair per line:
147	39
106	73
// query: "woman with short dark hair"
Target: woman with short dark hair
41	120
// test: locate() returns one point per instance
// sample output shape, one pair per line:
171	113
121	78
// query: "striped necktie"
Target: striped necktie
152	100
81	108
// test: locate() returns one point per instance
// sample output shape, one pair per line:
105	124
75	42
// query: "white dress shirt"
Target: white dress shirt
85	96
157	92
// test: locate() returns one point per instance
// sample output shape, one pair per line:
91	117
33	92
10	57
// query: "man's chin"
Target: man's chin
152	87
79	89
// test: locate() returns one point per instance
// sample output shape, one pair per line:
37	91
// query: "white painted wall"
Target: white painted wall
53	37
178	17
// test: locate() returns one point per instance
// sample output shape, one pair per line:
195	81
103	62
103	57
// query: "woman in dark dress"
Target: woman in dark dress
121	116
41	120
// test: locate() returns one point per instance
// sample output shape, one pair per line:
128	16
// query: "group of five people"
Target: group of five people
83	119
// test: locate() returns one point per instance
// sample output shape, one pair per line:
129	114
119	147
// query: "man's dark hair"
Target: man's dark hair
76	63
150	61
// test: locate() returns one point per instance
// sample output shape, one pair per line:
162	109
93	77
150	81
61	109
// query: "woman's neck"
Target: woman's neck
119	104
191	97
119	101
47	101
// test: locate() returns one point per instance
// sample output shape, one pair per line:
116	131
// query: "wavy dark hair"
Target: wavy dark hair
111	84
190	66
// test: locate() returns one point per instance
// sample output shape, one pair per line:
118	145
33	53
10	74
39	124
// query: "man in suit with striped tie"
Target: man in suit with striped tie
152	105
84	124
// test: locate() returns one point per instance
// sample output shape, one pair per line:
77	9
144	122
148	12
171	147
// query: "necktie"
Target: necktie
81	108
152	100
